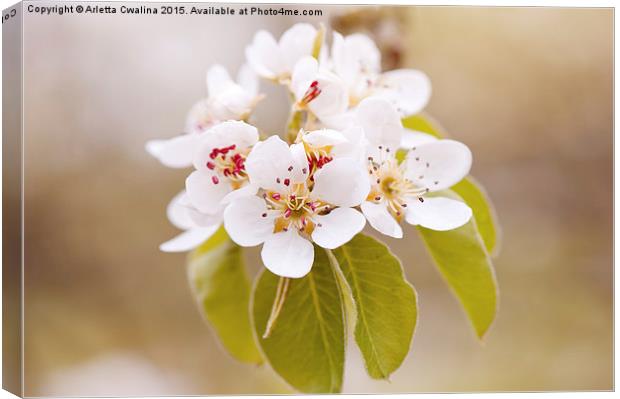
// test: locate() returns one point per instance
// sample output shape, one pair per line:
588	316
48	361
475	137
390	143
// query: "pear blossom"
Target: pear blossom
318	89
275	60
399	191
220	164
295	208
323	145
357	61
227	100
197	226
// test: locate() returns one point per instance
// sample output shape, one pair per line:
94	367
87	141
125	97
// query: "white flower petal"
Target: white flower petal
305	72
408	89
337	227
199	118
177	152
333	99
242	134
203	191
341	182
324	138
354	147
245	191
189	239
248	80
201	219
268	165
298	151
287	254
437	213
218	80
177	212
245	223
438	164
381	122
412	138
263	55
341	121
295	43
381	220
233	103
355	56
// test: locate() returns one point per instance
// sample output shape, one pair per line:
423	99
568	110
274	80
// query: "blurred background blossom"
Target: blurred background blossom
529	90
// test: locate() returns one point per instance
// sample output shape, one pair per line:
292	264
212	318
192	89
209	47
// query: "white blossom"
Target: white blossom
227	100
318	89
357	61
275	60
295	207
197	226
399	191
220	166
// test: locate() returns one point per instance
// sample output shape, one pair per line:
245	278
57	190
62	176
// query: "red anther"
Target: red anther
312	206
278	180
292	197
287	182
290	168
210	165
226	172
304	170
215	180
276	196
287	213
312	92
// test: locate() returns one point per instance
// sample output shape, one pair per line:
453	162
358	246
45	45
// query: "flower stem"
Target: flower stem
294	125
278	304
318	42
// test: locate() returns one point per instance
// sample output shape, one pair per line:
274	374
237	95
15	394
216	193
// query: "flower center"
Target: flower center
389	184
317	158
229	162
295	209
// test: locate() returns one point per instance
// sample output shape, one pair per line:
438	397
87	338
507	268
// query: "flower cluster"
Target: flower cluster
339	167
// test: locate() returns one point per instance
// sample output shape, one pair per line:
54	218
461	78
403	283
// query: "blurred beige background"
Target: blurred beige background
529	90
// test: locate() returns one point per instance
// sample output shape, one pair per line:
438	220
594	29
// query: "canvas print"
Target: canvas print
220	199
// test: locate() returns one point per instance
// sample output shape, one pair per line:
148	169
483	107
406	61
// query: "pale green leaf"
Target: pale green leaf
221	287
424	123
307	342
464	262
386	303
474	195
346	294
469	189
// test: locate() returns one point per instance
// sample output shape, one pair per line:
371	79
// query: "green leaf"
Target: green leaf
469	189
386	303
424	123
221	287
464	262
475	196
307	342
